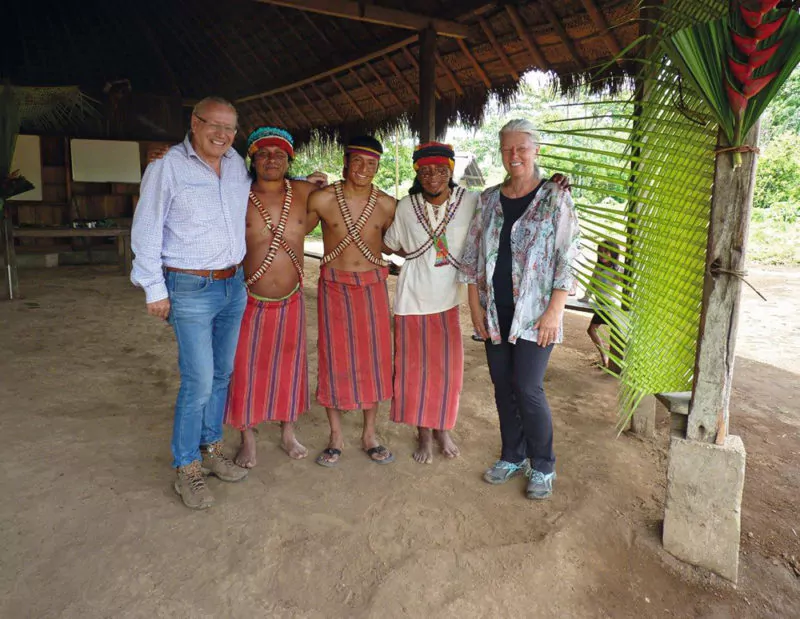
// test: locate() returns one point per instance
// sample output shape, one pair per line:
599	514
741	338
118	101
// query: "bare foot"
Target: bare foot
290	444
449	448
424	452
246	458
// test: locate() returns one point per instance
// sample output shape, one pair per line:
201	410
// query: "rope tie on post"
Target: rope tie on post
716	270
738	149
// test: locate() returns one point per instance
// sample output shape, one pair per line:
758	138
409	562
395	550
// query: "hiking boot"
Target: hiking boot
502	471
191	486
540	485
216	463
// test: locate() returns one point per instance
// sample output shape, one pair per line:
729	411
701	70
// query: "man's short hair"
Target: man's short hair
198	107
364	145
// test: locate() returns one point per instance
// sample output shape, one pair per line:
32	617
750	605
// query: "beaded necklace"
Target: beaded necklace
438	236
277	235
354	229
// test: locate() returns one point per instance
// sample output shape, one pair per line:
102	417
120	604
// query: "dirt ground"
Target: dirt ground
91	527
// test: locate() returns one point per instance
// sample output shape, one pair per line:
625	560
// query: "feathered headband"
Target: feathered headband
270	136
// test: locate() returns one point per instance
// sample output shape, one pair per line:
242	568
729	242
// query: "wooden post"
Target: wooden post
731	206
10	254
427	85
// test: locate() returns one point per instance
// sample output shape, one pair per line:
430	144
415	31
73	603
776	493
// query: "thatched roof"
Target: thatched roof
305	70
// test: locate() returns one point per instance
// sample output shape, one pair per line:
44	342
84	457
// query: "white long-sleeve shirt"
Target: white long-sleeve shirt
188	217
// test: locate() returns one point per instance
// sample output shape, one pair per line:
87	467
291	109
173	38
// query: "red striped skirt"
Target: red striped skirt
355	341
428	369
270	370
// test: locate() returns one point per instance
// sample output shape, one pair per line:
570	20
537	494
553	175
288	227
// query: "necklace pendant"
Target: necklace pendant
442	252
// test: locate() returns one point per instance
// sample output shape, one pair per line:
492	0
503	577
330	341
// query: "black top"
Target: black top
513	208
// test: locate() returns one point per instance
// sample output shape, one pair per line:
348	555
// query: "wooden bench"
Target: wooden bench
122	237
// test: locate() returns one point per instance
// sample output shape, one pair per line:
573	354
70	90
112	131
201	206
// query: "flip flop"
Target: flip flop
330	451
380	449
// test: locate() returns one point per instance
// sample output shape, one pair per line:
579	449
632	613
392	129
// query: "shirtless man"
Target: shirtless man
355	343
270	373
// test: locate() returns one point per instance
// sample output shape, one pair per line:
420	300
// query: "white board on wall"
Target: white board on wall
28	160
105	161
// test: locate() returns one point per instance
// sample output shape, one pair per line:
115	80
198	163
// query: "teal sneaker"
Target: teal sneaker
540	485
502	471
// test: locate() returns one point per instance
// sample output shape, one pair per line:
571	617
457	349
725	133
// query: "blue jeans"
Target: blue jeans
206	315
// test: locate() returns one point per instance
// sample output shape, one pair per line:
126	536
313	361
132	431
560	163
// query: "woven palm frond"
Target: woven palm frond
657	174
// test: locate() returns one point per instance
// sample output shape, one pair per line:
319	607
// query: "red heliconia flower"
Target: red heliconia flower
764	6
741	72
765	31
754	17
738	100
751	18
746	45
761	56
754	86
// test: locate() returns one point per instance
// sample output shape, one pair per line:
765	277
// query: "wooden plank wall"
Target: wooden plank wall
92	201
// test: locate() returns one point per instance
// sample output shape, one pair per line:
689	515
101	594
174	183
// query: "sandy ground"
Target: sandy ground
91	527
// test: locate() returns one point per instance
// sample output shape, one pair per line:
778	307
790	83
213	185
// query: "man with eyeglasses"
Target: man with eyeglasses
429	230
188	238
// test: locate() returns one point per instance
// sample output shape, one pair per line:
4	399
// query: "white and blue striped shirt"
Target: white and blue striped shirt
188	217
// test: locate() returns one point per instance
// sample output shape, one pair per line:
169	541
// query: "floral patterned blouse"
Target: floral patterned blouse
544	243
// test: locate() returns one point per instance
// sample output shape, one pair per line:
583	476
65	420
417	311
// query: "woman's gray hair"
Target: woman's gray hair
522	125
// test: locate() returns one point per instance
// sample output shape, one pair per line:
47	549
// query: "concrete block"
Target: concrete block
702	515
34	260
643	421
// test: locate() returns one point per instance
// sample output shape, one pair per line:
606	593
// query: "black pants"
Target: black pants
517	371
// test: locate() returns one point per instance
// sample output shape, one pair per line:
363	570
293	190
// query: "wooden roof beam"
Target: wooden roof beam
369	92
313	106
402	77
347	96
498	49
450	75
562	34
383	83
371	13
329	101
410	57
297	109
602	27
331	72
526	38
475	64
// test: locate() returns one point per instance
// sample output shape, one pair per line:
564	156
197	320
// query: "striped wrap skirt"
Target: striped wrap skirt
270	370
428	369
355	341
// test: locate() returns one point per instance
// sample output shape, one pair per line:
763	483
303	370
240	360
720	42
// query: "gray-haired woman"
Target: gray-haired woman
518	264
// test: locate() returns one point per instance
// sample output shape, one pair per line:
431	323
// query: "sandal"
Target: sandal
379	450
327	462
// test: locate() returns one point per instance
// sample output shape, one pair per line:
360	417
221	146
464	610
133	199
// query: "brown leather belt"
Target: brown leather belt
212	273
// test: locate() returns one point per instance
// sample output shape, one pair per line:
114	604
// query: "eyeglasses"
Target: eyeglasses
433	172
227	129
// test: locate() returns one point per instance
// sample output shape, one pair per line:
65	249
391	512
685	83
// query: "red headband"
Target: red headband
433	160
